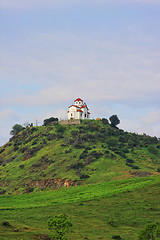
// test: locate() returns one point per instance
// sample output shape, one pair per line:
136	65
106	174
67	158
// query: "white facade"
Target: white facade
79	110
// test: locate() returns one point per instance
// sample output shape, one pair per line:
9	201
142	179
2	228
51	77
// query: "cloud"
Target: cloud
6	114
152	117
68	66
18	4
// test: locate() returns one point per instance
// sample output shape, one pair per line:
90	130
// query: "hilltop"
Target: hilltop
49	157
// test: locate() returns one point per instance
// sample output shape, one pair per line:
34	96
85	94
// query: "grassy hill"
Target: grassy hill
92	152
114	174
97	211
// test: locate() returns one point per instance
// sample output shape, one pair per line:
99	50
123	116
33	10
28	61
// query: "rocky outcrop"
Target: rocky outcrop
52	183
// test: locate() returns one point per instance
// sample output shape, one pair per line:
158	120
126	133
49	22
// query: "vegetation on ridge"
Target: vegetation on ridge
117	173
92	152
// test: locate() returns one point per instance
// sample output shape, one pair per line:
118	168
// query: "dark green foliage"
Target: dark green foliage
112	142
125	150
61	225
50	121
153	149
128	160
29	190
116	237
114	120
16	129
151	232
135	167
77	165
2	191
60	128
84	176
105	121
6	224
112	222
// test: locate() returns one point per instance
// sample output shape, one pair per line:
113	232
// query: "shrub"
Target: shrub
105	121
125	150
2	191
116	237
50	121
153	149
112	142
151	232
61	225
112	222
135	167
77	165
6	224
128	160
129	164
84	176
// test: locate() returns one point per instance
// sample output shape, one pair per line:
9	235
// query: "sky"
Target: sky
105	52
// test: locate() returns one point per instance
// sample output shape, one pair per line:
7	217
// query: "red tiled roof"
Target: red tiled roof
74	106
84	106
78	99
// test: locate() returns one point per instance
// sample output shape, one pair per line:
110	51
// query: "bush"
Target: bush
153	149
105	121
84	176
112	142
112	222
151	232
125	150
61	225
128	160
6	224
135	167
116	237
50	121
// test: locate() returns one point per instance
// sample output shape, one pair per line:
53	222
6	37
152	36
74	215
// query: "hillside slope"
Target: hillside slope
97	211
49	157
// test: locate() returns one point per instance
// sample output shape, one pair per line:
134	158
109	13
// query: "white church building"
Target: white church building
78	110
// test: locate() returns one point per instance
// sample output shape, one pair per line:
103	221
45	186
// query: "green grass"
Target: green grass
97	211
111	201
60	153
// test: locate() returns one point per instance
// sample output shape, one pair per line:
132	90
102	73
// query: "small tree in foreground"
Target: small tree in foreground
151	232
61	226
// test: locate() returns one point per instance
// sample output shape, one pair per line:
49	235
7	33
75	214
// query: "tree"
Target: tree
151	232
105	121
16	129
114	120
61	226
50	121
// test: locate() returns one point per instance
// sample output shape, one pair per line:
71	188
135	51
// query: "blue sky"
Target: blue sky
105	52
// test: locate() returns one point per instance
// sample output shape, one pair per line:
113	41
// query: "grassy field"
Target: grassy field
97	211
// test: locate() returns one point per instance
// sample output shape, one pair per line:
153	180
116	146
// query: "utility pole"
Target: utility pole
36	122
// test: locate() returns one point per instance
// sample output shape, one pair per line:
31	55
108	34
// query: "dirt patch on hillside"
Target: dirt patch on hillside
140	174
50	183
